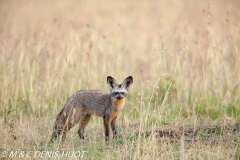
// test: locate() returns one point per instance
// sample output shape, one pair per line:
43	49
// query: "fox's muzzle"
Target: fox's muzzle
119	97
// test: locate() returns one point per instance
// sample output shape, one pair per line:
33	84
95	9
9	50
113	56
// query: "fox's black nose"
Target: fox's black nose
119	97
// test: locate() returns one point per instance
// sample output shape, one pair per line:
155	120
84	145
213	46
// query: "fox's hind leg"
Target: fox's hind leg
83	123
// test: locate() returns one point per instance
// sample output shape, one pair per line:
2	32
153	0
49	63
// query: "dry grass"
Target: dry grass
183	55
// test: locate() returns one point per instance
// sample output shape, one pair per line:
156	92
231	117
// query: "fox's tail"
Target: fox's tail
58	128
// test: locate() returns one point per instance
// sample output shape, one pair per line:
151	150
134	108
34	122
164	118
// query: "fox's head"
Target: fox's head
119	91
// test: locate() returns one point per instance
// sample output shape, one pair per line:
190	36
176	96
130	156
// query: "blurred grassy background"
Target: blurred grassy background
183	55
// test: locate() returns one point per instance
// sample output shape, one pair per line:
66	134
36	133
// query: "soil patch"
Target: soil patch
213	135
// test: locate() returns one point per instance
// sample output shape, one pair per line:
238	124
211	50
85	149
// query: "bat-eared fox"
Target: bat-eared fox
83	104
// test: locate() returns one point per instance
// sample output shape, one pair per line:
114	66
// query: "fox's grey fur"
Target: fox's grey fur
83	104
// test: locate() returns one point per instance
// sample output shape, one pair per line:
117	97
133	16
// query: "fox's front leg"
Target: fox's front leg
114	130
106	127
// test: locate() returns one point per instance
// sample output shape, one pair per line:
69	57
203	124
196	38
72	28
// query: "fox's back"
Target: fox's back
95	100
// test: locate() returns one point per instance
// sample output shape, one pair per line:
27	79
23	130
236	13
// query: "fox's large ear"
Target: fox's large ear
111	82
127	82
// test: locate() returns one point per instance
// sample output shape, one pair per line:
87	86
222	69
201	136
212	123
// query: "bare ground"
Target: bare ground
214	135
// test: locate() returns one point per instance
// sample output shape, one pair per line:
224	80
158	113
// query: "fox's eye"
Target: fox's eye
121	92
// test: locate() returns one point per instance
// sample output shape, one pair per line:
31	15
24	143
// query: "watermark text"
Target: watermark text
42	154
